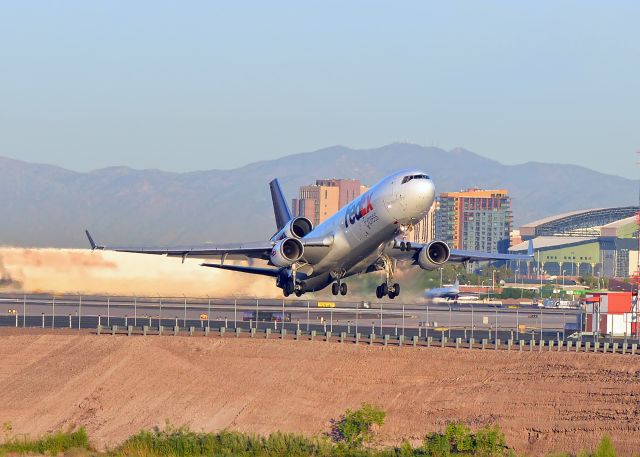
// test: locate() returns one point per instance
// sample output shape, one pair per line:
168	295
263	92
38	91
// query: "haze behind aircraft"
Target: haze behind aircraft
365	236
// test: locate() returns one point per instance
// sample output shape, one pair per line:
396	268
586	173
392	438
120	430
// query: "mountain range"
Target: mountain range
45	205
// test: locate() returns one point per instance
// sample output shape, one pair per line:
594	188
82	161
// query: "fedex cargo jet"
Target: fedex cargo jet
366	235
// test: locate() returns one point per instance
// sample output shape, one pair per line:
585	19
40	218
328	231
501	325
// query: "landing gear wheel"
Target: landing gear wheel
407	246
392	295
288	289
335	288
402	245
343	288
379	293
395	289
299	293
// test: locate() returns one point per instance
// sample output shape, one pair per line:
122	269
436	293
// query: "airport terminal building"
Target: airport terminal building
599	242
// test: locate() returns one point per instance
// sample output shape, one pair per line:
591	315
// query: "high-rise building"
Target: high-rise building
320	201
425	230
475	219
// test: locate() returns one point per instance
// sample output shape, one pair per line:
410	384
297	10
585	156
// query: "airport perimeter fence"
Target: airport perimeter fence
393	320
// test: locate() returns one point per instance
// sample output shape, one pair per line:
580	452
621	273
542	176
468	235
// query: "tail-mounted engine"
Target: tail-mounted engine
433	255
298	228
286	252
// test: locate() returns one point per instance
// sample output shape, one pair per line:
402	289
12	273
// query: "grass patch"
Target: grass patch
51	444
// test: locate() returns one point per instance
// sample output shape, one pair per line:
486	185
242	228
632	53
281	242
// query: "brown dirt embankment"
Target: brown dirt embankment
116	385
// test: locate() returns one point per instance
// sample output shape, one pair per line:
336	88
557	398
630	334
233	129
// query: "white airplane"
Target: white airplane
448	293
364	236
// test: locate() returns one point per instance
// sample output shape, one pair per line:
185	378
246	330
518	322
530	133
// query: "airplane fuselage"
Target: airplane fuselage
364	229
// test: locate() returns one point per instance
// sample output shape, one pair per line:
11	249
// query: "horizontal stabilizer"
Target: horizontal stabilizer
273	272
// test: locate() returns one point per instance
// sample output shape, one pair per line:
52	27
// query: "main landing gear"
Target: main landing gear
383	289
299	289
386	288
339	287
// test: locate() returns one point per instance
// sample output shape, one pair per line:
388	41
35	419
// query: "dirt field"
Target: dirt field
116	385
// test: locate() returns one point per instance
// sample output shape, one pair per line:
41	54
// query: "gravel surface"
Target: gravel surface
115	386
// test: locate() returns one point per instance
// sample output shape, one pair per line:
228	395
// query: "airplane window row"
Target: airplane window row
409	178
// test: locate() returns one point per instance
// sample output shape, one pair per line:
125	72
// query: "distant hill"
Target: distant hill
44	205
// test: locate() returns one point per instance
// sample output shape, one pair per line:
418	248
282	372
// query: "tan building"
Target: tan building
349	189
320	201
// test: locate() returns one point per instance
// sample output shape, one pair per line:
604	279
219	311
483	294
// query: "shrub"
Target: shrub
605	448
355	427
458	439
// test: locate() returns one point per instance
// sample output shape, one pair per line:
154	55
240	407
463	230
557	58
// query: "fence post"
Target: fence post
471	342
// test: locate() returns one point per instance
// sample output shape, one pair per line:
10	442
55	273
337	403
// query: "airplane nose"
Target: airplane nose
426	192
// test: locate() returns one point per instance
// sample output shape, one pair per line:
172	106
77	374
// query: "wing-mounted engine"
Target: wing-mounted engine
286	252
433	255
298	227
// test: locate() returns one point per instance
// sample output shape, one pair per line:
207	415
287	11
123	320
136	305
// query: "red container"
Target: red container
619	302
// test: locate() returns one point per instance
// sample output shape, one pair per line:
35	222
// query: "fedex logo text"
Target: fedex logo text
357	210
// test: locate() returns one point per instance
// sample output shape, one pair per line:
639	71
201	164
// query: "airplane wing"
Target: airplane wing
458	255
241	251
244	251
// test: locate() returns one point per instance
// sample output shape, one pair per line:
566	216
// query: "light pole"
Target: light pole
563	273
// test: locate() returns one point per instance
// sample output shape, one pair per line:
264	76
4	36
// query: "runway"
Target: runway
392	318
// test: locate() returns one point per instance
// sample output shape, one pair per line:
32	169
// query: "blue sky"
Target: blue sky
199	85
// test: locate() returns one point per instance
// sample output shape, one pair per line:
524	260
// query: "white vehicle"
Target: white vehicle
364	236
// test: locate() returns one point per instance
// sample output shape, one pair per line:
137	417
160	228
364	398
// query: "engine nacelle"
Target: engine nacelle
298	227
286	252
433	255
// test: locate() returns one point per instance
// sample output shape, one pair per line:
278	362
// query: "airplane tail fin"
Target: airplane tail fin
280	207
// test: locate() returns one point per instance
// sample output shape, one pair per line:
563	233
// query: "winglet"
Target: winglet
530	249
91	242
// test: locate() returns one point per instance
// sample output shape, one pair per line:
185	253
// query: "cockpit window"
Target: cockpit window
409	178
